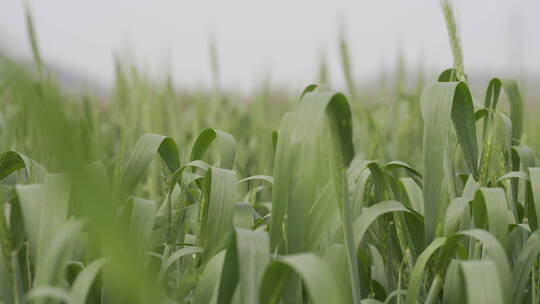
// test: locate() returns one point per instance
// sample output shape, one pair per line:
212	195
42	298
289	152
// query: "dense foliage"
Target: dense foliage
433	198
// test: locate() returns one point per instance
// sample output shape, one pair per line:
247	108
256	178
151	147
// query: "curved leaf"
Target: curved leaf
453	215
419	269
83	282
11	161
47	292
176	256
226	142
315	275
208	285
513	95
143	154
264	178
362	223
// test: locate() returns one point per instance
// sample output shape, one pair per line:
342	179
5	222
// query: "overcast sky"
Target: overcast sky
280	38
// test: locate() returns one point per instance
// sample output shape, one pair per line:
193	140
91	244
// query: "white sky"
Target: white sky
278	37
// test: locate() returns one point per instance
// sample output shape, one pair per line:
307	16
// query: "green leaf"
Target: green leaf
216	211
243	215
175	256
317	111
245	261
207	287
320	214
225	142
513	95
264	178
534	174
454	214
410	170
336	259
447	75
413	194
513	174
497	254
315	274
11	161
454	289
442	103
50	267
83	282
142	221
490	210
143	154
45	210
419	269
494	252
362	223
39	294
282	181
310	88
524	265
481	282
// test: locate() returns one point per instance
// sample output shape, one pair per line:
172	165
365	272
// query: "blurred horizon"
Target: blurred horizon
280	43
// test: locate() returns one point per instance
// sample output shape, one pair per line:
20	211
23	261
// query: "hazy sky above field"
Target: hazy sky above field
281	38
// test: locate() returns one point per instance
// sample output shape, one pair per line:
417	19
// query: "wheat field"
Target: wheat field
151	195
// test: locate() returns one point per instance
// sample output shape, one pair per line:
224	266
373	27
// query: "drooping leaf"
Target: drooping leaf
143	154
225	142
316	276
83	282
11	161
